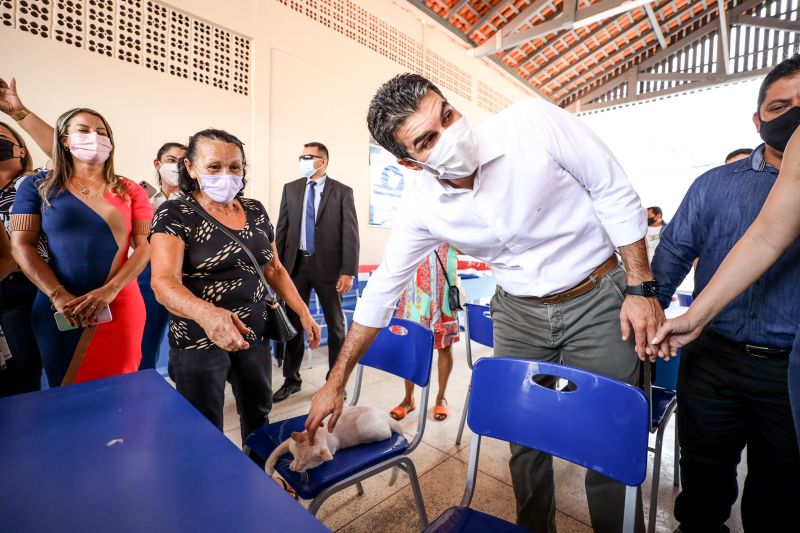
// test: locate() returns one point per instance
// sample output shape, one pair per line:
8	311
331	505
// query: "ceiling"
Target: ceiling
590	54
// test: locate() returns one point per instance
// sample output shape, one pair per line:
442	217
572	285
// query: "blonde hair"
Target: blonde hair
55	181
27	161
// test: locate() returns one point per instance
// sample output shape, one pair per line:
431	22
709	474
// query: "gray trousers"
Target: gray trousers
583	332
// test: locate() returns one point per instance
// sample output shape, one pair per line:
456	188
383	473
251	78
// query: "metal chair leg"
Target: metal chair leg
651	525
676	480
463	419
360	488
310	355
412	476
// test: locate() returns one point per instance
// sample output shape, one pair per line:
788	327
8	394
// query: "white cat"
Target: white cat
356	425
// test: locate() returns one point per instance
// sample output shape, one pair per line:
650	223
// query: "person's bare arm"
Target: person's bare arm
87	306
329	400
643	315
10	104
776	227
222	327
279	279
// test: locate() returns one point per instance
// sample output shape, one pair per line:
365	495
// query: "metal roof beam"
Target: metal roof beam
773	23
664	54
456	8
724	48
570	18
655	25
530	11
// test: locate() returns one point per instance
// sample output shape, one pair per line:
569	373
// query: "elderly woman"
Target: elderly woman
24	370
89	216
210	287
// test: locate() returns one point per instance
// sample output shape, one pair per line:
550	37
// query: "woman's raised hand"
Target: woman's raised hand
9	99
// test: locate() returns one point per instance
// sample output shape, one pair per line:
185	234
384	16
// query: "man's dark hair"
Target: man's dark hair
785	69
738	152
187	184
656	210
393	103
319	146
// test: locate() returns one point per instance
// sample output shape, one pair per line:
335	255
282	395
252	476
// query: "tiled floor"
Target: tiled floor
442	465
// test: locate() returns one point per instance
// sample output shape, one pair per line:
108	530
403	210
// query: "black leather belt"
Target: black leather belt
303	253
764	352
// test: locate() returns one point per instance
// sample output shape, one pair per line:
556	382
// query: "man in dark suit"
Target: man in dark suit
317	240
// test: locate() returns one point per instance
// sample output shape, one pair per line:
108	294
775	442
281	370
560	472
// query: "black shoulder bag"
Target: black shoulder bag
278	326
455	296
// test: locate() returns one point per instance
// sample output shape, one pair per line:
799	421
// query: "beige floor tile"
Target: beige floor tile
342	508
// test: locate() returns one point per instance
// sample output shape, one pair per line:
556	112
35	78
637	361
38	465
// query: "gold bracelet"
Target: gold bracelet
22	113
54	293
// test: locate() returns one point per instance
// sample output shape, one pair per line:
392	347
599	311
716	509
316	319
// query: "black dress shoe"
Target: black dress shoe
285	391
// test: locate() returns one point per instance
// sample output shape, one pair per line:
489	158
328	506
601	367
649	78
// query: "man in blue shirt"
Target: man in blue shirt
732	387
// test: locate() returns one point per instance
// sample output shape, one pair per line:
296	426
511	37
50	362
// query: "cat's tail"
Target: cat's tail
272	460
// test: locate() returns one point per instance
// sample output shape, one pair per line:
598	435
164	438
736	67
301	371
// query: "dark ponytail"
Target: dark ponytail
185	181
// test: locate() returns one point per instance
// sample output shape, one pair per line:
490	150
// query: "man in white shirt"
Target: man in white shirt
537	196
655	226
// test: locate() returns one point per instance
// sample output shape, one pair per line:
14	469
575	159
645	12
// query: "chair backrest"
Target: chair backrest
479	324
404	349
603	424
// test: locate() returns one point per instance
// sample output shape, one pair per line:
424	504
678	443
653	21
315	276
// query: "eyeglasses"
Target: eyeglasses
309	157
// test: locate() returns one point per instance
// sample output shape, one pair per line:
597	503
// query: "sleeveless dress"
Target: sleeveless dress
87	245
425	298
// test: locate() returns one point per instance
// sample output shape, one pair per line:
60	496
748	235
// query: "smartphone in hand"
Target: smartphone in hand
63	324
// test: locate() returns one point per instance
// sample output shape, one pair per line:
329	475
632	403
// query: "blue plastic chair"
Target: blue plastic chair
405	349
663	401
602	424
478	327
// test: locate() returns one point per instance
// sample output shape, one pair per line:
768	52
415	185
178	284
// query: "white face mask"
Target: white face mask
221	188
307	168
169	173
455	155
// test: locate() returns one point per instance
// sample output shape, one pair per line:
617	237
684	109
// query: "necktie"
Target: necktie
311	218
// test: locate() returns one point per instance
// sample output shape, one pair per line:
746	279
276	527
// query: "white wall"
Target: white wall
308	83
664	145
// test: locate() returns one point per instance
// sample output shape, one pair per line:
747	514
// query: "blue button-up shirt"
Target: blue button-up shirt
718	209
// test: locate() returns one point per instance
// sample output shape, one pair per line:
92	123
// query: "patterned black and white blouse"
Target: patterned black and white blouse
216	269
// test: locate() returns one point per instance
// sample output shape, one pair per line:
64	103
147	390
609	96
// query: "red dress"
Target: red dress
425	298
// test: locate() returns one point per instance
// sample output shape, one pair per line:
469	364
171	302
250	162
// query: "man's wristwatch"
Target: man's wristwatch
648	289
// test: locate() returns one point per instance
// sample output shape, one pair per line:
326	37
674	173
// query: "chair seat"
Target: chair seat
466	519
662	400
345	463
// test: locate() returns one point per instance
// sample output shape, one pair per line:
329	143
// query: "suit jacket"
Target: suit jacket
335	235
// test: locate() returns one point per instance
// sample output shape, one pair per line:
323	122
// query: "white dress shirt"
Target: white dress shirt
159	198
549	205
318	188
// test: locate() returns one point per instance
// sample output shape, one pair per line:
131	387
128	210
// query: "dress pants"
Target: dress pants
200	376
583	332
305	278
23	372
728	399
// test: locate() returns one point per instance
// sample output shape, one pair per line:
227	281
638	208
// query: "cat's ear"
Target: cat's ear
325	454
297	437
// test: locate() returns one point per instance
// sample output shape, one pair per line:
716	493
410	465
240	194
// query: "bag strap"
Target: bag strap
444	270
234	238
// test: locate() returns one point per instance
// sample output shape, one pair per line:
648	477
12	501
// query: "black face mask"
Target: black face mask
651	221
776	132
6	149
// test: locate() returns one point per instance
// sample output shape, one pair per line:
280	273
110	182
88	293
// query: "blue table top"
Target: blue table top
129	453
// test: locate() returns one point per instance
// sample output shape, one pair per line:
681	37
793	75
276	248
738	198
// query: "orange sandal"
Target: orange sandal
441	411
400	412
